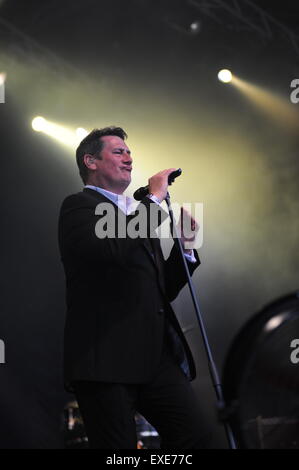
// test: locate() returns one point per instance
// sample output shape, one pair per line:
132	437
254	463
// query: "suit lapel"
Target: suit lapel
146	242
151	245
159	261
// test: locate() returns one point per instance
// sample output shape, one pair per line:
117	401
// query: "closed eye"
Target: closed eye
122	151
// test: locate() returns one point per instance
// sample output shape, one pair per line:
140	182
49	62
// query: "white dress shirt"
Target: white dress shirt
128	205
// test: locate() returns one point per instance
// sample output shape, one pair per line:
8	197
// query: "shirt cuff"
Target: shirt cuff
190	257
154	199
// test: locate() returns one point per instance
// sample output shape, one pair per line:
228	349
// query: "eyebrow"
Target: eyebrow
122	150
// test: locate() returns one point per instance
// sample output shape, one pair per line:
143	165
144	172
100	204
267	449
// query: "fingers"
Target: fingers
163	174
159	182
170	170
187	222
186	214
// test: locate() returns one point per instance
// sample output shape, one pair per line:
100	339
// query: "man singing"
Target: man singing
124	349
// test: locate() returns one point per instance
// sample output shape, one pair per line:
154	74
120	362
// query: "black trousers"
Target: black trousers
168	403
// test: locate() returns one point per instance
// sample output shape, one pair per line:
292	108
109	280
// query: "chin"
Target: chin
126	183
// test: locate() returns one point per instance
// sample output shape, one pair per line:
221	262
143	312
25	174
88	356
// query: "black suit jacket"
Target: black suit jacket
118	293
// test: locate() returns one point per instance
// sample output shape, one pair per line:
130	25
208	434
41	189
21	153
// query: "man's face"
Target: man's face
113	170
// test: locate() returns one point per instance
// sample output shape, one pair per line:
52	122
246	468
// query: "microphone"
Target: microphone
144	190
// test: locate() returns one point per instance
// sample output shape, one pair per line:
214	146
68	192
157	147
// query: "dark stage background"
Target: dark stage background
137	64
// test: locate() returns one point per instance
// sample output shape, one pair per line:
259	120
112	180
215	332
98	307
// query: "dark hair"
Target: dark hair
93	145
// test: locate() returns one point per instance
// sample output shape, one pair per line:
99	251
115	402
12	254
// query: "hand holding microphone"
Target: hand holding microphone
158	184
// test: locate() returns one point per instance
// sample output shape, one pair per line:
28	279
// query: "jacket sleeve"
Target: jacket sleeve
175	275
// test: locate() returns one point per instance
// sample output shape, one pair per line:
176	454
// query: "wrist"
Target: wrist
155	198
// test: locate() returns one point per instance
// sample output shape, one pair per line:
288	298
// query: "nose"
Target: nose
128	159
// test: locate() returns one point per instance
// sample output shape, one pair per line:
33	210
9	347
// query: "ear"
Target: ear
89	161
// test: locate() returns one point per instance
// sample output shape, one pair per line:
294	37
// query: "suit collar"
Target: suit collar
95	193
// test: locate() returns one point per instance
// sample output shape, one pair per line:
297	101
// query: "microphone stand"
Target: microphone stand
212	366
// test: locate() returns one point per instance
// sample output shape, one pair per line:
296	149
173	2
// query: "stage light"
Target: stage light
56	131
39	124
195	27
69	137
225	76
81	133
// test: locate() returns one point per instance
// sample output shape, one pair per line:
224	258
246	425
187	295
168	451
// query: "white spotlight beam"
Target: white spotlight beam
58	132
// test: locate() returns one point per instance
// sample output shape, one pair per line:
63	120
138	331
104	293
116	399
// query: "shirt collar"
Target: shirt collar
125	203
